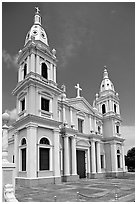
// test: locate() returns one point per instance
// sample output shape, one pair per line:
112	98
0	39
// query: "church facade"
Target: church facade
55	138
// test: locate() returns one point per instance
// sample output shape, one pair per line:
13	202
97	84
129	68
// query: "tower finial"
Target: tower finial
37	17
37	10
105	74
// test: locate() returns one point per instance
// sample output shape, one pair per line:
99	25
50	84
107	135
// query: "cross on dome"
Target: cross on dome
37	9
78	90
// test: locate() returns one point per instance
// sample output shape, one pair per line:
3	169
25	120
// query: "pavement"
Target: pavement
84	190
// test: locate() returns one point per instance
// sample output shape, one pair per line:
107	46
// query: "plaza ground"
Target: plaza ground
90	190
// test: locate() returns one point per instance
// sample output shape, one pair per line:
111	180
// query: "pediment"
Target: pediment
83	143
81	105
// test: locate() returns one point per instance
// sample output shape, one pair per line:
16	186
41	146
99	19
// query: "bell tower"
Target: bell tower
107	103
36	89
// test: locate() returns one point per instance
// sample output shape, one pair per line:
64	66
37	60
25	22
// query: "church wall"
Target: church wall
107	128
11	152
107	149
54	108
87	129
32	99
22	133
75	120
44	132
68	116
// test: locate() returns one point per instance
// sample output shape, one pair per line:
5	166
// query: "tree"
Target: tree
130	159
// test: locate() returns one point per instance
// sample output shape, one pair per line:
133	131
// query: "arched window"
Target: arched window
23	154
115	108
44	70
44	154
103	109
25	70
44	141
99	128
23	141
117	129
118	151
118	158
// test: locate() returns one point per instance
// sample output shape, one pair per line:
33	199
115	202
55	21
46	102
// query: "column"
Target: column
118	109
114	157
16	153
107	107
56	153
88	161
29	63
95	124
55	74
98	158
110	105
37	64
66	156
51	71
32	150
74	161
64	114
123	157
19	74
104	157
93	157
32	62
90	126
71	122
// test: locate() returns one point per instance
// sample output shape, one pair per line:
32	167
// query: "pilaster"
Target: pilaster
93	157
98	157
32	62
74	161
37	64
123	157
32	150
114	157
66	156
16	152
56	153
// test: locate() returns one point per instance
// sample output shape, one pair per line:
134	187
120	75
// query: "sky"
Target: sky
87	36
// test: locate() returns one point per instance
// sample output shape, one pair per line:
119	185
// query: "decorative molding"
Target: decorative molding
81	113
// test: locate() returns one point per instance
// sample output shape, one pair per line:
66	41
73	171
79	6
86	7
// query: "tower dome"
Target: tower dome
36	31
106	84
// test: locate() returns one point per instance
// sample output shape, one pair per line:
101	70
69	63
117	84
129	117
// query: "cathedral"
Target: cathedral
58	139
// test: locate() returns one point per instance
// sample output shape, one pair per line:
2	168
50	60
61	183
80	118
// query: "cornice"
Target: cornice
36	120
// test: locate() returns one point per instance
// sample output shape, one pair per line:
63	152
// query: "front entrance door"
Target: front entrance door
81	170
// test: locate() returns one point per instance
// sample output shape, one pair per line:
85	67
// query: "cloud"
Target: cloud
128	133
74	36
113	11
9	60
74	32
13	114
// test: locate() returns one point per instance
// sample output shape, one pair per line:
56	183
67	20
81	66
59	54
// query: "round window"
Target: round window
43	35
35	32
